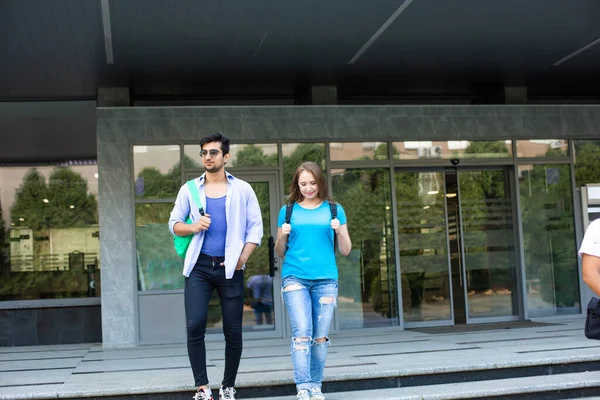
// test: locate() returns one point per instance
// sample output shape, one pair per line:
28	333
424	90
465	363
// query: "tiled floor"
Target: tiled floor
88	370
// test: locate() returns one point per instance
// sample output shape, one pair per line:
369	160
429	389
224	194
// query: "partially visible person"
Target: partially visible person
226	232
309	273
262	298
590	256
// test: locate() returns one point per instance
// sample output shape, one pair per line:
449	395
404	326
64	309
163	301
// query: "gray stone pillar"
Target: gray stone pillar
115	198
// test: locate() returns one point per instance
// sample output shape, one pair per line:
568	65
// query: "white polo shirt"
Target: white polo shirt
591	240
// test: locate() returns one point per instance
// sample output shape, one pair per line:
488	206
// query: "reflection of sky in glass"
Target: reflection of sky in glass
163	158
447	149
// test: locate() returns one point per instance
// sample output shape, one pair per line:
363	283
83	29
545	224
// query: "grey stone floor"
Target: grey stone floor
44	372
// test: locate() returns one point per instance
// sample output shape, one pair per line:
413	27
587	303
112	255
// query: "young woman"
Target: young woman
309	275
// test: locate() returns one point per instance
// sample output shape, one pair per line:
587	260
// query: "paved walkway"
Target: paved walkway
44	372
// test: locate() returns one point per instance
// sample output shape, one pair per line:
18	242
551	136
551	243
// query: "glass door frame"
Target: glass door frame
270	176
421	324
508	168
513	189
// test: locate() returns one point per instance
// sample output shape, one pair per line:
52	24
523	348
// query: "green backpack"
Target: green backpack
181	243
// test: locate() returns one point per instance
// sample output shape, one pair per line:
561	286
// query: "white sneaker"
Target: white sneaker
205	394
303	395
316	394
226	393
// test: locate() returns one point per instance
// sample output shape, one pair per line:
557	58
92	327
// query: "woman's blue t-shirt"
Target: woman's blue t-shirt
310	252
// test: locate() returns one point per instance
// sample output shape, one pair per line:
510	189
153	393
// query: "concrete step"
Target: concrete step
564	386
542	381
469	375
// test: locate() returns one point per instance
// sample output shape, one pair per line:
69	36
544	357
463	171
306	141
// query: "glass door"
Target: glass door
262	306
423	248
456	245
481	221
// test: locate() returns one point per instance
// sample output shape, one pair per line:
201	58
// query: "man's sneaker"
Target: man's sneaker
316	394
303	395
226	393
205	394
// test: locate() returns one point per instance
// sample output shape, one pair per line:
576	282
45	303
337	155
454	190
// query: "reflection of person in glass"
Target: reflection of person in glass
590	256
310	275
262	298
224	237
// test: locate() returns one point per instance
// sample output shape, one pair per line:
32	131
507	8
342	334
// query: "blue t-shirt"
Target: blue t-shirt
214	237
310	252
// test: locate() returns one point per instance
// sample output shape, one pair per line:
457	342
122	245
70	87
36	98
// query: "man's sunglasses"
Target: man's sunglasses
212	152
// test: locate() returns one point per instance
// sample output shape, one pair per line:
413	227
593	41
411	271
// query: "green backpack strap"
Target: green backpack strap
181	243
195	195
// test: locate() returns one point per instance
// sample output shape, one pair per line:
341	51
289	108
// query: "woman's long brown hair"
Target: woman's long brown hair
295	194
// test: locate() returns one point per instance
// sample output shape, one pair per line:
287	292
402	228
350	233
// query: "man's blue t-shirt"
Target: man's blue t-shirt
214	236
310	252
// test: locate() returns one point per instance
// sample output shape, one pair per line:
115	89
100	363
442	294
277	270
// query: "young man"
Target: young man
590	256
224	235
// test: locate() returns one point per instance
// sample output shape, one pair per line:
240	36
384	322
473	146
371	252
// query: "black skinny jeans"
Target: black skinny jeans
206	276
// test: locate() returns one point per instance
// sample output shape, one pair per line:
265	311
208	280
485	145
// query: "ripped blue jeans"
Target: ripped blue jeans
310	305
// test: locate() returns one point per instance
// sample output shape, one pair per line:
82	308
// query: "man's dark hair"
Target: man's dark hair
216	137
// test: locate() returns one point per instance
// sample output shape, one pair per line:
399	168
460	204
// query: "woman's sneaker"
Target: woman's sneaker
226	393
316	394
303	395
205	394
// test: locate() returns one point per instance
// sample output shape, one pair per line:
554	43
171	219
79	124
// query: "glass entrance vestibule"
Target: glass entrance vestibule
447	232
457	240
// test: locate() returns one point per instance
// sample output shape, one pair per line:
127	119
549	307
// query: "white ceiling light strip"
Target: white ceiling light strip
105	8
576	53
380	31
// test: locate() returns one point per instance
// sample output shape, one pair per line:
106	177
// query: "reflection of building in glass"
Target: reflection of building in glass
358	151
52	249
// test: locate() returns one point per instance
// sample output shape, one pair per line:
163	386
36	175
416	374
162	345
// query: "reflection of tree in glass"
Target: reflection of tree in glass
68	204
364	193
548	233
422	233
587	165
29	203
159	265
381	152
485	211
4	270
253	156
154	184
487	148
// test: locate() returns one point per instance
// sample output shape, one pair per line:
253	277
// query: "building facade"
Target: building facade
458	214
